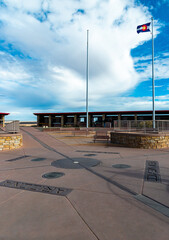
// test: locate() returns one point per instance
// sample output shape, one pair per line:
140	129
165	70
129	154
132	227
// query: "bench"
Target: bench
80	133
101	135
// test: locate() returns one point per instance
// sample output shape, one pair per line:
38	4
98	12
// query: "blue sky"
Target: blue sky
43	55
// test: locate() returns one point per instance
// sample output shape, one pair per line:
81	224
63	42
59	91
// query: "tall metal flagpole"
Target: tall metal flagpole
87	78
153	89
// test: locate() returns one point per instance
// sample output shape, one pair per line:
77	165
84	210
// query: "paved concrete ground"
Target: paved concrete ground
105	203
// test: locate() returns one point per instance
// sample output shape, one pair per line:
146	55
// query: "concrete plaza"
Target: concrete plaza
104	202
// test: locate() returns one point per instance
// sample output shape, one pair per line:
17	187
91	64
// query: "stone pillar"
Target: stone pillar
62	121
135	119
75	120
89	119
119	120
3	121
50	120
103	120
38	120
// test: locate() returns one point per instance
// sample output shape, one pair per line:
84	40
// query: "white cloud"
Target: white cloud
53	34
161	67
24	5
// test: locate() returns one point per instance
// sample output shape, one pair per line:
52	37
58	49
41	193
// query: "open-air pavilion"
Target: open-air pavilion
96	119
2	119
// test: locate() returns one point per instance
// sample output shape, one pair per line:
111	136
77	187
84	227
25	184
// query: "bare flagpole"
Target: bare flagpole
153	89
87	78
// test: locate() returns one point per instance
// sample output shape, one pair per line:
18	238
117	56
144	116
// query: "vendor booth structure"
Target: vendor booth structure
96	119
2	119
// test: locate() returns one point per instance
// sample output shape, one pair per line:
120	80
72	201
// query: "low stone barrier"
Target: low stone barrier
140	140
10	141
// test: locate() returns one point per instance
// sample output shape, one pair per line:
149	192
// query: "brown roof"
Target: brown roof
4	113
107	112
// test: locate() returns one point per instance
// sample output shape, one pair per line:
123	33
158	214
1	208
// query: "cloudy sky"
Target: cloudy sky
43	55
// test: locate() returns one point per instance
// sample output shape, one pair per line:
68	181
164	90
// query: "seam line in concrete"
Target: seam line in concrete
82	218
45	145
112	182
153	204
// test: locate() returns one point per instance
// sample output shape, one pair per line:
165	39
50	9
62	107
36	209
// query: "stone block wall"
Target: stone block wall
136	140
10	141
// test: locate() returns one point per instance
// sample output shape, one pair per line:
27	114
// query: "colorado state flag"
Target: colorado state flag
143	28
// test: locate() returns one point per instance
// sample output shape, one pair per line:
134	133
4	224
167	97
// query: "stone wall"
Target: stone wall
140	140
10	141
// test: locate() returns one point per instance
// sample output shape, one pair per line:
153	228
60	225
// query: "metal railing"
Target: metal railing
141	125
12	126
